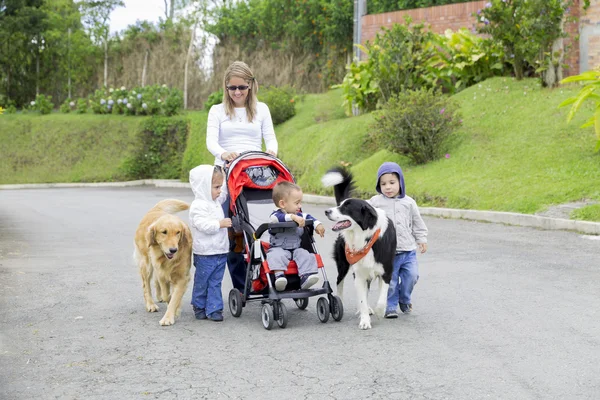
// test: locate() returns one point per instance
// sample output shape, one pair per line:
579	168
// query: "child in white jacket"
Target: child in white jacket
210	241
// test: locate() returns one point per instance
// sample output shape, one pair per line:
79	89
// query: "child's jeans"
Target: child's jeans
406	270
206	293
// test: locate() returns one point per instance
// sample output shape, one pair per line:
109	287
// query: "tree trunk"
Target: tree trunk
518	67
172	10
105	62
69	60
185	73
145	67
554	71
37	73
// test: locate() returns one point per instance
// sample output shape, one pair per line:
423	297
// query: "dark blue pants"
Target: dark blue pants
206	293
235	261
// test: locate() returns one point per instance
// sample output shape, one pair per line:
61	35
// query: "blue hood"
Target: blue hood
388	168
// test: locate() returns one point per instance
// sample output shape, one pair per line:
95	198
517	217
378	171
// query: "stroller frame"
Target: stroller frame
273	309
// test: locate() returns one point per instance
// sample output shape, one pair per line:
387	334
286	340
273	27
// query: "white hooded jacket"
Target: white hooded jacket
205	213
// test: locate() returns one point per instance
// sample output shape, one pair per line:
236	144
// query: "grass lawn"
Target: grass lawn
514	152
64	147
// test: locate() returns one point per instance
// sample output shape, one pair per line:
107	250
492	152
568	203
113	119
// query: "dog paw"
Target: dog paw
365	323
151	307
380	310
167	320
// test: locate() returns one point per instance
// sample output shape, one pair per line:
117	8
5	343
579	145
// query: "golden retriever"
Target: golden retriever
163	249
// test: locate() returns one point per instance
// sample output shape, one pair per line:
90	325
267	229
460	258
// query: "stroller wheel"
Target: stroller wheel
323	309
267	317
301	303
282	317
235	302
337	308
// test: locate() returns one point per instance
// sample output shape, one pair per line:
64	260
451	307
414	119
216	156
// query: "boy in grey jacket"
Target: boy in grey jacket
411	233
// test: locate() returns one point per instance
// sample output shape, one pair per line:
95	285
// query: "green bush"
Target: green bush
418	124
397	60
67	106
214	98
159	155
281	102
82	106
42	103
463	59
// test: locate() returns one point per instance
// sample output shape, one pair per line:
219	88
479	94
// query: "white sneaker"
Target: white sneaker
307	281
280	283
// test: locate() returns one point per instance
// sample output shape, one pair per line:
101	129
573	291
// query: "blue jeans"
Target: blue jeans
206	293
406	270
235	261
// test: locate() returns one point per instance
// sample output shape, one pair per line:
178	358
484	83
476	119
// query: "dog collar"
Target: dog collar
355	256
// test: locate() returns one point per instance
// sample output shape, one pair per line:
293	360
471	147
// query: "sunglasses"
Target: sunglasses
234	88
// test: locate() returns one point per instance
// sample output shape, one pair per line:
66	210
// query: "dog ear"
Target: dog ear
151	236
370	217
185	237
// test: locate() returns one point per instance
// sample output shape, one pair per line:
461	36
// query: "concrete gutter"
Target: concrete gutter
509	218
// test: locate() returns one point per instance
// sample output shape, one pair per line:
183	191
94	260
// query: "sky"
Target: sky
149	10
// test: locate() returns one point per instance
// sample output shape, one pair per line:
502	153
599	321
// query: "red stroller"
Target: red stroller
250	180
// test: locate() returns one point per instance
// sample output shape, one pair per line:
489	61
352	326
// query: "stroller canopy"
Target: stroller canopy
255	170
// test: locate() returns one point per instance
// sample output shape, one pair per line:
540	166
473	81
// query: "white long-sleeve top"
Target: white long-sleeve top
238	135
205	214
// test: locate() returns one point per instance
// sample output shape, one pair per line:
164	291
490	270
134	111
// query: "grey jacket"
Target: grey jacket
404	213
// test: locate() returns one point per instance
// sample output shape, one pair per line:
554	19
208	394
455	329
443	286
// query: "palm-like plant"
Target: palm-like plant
588	92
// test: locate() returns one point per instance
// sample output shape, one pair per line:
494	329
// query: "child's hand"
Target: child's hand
297	219
225	223
320	230
422	247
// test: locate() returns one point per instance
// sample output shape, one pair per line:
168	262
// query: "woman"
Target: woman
240	123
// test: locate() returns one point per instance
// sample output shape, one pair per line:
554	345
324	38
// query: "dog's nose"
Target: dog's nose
173	250
327	212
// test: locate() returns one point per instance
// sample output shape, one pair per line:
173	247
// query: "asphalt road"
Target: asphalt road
500	312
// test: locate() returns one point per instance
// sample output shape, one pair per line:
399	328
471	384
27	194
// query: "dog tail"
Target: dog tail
172	206
342	181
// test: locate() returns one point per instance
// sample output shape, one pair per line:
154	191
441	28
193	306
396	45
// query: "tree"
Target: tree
21	21
96	16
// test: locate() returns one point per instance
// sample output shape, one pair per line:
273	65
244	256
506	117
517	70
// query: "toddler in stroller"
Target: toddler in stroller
250	181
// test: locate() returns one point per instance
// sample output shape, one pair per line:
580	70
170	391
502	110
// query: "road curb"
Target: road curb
509	218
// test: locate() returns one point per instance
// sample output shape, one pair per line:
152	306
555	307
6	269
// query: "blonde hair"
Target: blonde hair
282	190
239	69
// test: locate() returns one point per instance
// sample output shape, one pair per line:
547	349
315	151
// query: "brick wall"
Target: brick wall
580	56
589	30
451	16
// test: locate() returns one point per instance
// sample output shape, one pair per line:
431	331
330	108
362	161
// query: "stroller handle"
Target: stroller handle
280	226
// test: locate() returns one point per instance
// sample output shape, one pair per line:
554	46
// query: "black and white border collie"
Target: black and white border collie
357	221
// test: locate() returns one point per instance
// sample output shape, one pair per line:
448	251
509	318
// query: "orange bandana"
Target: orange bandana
355	256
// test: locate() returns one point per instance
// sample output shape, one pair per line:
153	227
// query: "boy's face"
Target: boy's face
390	185
292	204
215	186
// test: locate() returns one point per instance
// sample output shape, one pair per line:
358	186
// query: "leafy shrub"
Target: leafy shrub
397	61
159	155
82	106
463	59
417	123
149	100
214	98
67	106
281	102
42	103
359	87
